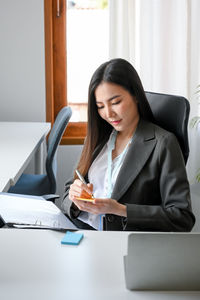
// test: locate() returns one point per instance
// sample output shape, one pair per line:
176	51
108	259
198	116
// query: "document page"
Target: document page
25	210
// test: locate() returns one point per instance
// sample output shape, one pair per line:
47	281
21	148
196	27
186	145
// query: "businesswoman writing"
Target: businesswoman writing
134	169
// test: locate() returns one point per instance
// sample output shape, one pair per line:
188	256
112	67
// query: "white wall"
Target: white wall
22	73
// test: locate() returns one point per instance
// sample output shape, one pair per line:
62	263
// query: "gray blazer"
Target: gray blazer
152	183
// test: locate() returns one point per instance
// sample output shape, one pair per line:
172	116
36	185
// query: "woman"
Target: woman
134	169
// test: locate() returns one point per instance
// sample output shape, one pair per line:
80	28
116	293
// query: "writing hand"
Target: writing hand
79	189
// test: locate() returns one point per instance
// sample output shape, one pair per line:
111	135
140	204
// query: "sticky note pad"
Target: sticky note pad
71	238
85	199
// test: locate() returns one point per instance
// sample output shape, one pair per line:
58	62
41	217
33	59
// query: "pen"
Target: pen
82	179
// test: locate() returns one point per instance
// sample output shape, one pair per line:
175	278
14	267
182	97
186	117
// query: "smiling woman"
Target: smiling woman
119	108
116	106
135	169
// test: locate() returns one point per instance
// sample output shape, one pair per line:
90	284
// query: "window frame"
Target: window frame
56	69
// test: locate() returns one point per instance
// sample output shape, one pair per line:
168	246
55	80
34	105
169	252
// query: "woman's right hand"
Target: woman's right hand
80	190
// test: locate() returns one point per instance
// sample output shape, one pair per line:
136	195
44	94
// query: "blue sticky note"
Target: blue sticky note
71	238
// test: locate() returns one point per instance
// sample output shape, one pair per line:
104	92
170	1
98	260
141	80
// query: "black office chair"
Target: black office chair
44	184
172	113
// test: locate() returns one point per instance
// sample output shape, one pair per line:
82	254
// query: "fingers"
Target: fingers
90	186
92	207
85	189
86	206
102	206
101	201
79	189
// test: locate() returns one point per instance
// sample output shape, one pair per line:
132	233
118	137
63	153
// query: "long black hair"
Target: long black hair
120	72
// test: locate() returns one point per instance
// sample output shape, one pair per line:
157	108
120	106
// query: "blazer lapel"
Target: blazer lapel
139	151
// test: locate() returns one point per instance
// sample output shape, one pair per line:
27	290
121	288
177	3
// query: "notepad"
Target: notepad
85	199
71	238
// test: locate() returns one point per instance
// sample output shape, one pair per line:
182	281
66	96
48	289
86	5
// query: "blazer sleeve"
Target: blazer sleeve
67	206
174	213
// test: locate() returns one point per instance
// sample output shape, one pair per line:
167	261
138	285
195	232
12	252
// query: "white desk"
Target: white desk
19	142
34	265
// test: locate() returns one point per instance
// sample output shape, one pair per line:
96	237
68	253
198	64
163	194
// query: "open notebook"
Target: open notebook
22	211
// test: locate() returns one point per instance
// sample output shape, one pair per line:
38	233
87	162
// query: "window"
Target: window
67	76
87	48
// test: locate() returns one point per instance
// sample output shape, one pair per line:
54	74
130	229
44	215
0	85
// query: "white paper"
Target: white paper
25	210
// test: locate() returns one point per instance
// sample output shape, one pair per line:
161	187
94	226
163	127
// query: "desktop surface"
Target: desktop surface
34	265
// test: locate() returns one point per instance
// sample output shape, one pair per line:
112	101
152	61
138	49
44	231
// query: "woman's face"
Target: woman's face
117	106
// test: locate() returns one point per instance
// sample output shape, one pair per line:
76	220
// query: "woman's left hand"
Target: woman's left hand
102	206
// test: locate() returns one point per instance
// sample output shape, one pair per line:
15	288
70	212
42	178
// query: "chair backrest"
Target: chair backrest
55	136
172	113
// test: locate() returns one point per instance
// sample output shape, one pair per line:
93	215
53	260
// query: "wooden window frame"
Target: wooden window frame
56	69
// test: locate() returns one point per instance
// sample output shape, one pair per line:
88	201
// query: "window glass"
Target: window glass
87	47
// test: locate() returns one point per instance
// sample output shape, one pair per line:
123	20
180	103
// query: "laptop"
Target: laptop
163	261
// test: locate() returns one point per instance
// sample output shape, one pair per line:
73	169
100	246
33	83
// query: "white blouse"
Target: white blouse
98	176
